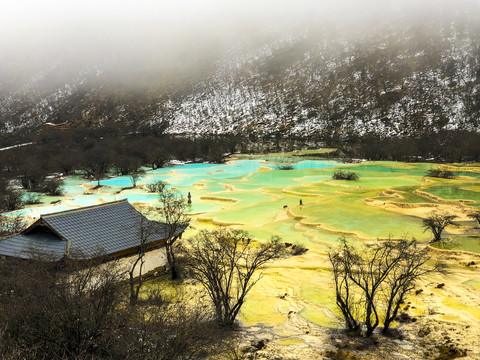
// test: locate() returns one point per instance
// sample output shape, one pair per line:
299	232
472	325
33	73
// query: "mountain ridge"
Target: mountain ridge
401	79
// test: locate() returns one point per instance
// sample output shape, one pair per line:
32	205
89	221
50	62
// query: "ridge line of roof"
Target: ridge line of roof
84	208
51	228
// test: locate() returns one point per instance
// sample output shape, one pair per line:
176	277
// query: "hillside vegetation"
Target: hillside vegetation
401	78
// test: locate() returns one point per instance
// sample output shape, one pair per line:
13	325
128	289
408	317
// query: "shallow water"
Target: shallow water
461	242
462	190
254	196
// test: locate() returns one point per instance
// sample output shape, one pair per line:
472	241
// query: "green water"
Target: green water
408	196
254	196
349	213
459	191
461	242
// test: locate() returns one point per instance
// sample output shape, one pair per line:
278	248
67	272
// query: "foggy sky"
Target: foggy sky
42	32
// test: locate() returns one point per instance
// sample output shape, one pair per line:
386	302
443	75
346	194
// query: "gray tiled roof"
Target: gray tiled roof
28	246
93	231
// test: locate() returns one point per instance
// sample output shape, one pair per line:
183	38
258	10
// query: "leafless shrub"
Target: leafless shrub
172	211
58	310
10	225
436	222
475	215
171	327
376	279
224	262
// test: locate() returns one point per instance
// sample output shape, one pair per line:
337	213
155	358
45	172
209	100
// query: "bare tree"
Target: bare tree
436	222
170	326
58	310
403	277
10	199
135	175
72	310
224	262
145	230
375	278
10	225
475	216
52	186
31	173
367	270
173	207
97	172
96	163
347	299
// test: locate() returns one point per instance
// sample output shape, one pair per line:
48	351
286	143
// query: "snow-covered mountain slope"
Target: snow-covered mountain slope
398	80
391	85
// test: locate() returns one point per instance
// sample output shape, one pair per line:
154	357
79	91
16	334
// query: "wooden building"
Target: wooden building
112	229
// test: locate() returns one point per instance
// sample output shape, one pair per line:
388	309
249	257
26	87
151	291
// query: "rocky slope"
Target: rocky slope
400	78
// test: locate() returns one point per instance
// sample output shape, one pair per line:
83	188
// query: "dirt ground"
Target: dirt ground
435	325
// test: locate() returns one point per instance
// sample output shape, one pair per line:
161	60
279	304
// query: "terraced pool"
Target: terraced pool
388	201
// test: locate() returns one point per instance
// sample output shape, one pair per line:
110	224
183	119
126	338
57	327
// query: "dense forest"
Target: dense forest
99	152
